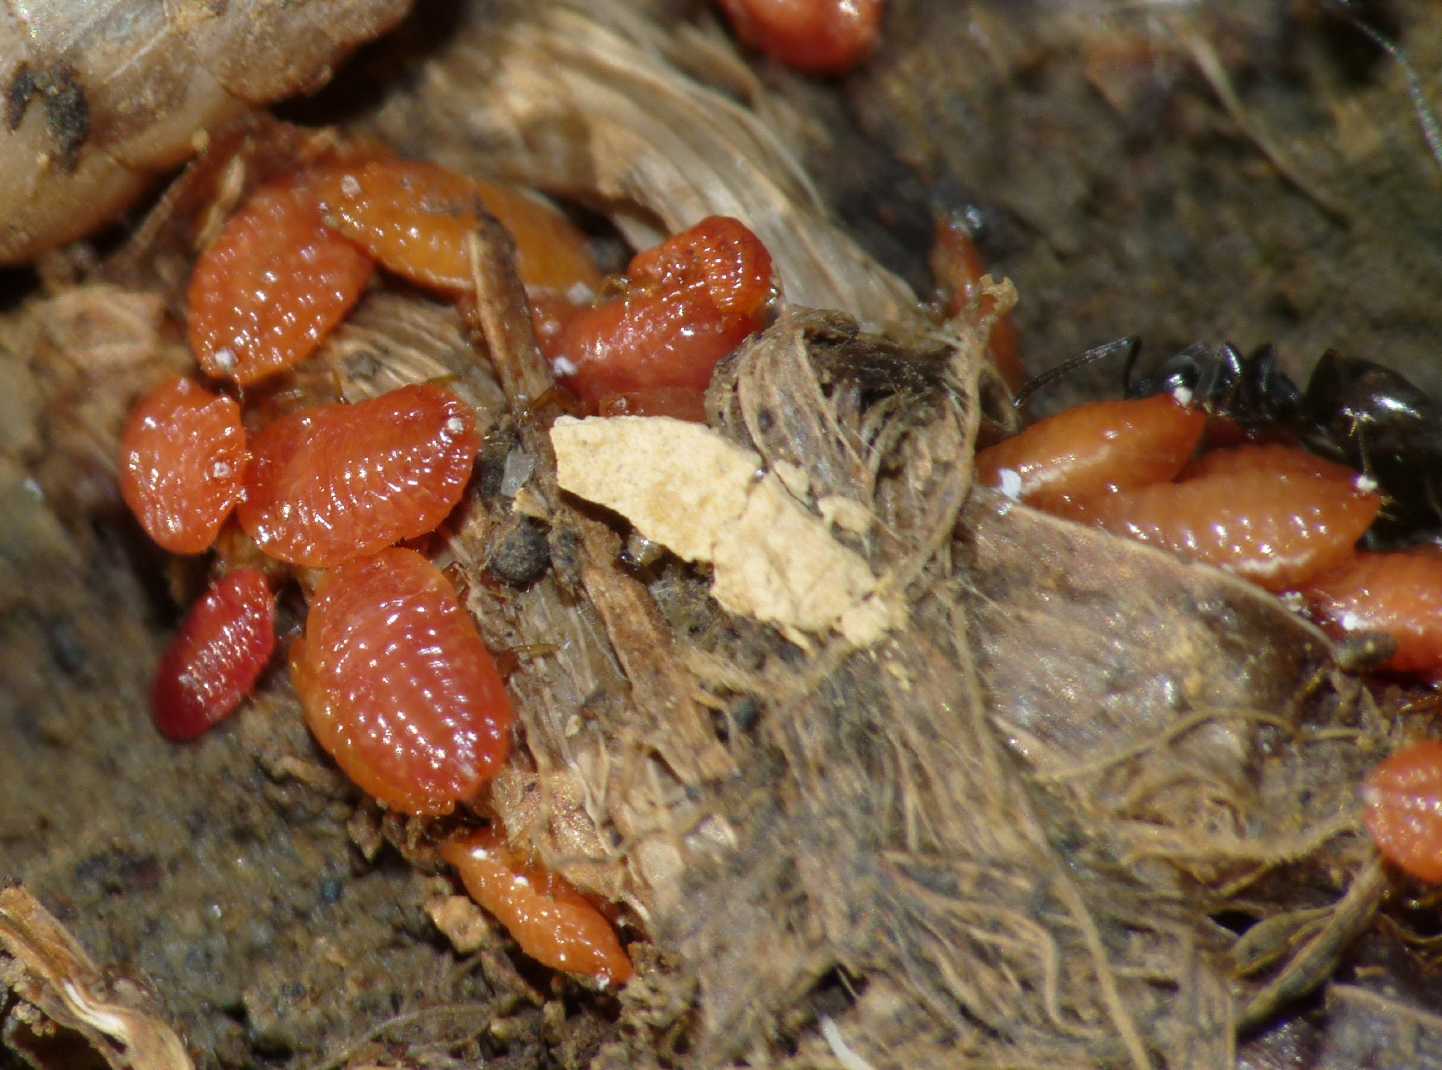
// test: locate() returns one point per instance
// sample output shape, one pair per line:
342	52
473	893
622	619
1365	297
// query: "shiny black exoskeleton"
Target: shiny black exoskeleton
1252	390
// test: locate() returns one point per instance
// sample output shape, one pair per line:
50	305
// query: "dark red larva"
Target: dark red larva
222	647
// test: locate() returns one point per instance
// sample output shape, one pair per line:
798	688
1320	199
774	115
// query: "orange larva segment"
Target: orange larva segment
1094	449
551	921
690	301
1402	801
675	402
1277	529
398	687
1397	593
337	482
958	268
182	461
827	37
1269	457
268	290
415	218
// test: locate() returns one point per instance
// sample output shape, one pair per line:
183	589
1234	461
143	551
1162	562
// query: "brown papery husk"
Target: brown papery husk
1000	834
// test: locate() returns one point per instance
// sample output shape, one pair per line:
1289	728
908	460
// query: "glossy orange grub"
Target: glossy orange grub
1269	457
398	687
957	266
182	462
814	36
214	661
1094	449
551	921
268	290
415	218
690	301
1402	801
1397	593
1277	529
337	482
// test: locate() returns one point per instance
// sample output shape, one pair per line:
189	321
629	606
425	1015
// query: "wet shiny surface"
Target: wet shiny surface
815	36
1396	593
338	482
551	921
398	686
691	301
214	661
268	290
182	459
1403	800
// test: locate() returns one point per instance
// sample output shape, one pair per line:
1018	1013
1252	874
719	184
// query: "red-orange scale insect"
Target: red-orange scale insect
1093	449
182	461
337	482
215	659
1402	800
1399	593
551	921
814	36
1273	526
397	685
689	302
275	282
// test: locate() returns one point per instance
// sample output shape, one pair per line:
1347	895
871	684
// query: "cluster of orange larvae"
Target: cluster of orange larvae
394	678
1273	513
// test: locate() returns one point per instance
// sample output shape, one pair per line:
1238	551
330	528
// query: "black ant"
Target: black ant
1353	410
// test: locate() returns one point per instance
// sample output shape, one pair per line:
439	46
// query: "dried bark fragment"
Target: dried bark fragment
710	501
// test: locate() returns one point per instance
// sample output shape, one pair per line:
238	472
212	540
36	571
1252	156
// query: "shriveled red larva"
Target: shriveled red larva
1277	529
690	301
1093	449
182	464
1398	593
814	36
337	482
268	290
958	268
222	647
398	687
1402	800
415	218
551	921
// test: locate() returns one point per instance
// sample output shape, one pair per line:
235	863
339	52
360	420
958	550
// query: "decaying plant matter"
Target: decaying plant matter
1005	828
102	98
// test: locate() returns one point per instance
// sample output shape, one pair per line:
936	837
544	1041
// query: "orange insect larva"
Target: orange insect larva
1277	529
337	482
416	218
690	301
1403	810
268	290
814	36
1093	449
182	464
1399	594
958	268
551	921
398	687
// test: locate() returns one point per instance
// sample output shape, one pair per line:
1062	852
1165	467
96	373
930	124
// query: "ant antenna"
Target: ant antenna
1130	345
1426	117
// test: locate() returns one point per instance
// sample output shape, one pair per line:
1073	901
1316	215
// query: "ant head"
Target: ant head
1199	374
